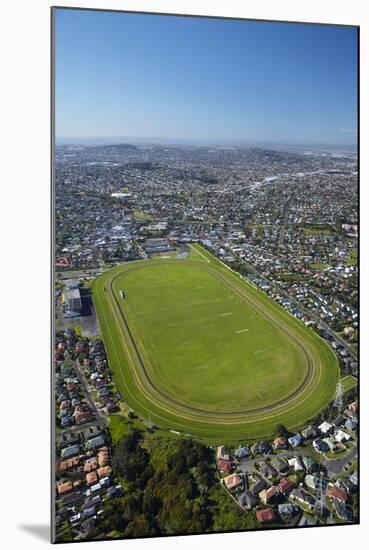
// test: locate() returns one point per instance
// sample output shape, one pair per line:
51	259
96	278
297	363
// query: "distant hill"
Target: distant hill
113	148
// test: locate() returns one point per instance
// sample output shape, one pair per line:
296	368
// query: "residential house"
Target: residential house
268	496
296	464
337	493
325	427
224	465
232	481
288	510
221	453
265	515
308	433
351	424
311	481
303	497
285	485
280	443
310	464
267	469
242	452
249	500
258	486
90	465
320	446
295	440
341	436
332	444
68	452
280	464
339	420
91	478
354	478
95	442
63	488
342	511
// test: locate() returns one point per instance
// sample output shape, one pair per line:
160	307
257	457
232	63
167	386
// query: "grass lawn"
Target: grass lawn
118	427
199	350
311	230
320	267
348	382
141	216
353	257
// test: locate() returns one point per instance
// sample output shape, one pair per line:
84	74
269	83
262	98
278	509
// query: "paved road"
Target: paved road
99	419
336	465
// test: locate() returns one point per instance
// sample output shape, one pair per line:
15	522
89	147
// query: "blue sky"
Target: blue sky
204	79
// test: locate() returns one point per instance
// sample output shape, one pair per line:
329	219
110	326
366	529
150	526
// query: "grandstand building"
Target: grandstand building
72	299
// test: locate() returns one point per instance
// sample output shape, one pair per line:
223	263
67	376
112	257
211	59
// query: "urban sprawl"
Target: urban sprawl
287	220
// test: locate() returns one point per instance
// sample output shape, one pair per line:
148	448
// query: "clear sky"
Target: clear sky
139	75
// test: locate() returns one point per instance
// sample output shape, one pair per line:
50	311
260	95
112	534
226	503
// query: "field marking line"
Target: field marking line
225	314
243	330
260	351
202	255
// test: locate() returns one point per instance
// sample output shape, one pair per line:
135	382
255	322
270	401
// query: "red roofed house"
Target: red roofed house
267	495
91	478
285	485
232	481
265	516
337	493
224	465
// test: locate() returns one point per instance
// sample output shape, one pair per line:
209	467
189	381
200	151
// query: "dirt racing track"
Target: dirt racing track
135	373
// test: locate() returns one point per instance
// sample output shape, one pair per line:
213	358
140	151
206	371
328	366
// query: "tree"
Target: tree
151	504
139	527
130	460
282	430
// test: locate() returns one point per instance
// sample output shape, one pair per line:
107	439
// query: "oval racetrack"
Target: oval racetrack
196	348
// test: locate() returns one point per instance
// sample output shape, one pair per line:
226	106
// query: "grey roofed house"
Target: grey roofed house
341	510
347	485
255	448
249	499
259	486
288	509
70	451
302	496
308	432
280	464
310	464
354	478
95	442
242	452
311	481
350	414
305	521
320	446
351	424
64	439
339	420
92	432
267	469
74	499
